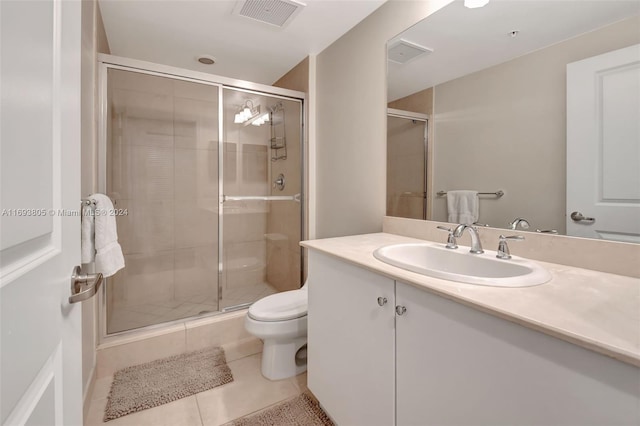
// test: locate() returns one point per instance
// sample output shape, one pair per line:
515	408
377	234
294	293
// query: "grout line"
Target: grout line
199	411
184	325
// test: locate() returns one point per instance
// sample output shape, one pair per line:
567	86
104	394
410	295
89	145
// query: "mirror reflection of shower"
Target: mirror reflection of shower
407	164
203	234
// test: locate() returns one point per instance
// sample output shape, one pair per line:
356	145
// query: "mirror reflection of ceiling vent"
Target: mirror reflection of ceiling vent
402	51
273	12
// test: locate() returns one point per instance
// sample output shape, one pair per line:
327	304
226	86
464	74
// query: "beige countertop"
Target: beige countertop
596	310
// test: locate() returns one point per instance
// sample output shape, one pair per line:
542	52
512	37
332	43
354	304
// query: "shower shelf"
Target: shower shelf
278	131
278	143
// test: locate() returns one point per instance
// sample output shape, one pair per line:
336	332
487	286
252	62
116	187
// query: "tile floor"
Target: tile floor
129	317
249	392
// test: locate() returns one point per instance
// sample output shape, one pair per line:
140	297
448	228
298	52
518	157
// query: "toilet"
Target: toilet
280	320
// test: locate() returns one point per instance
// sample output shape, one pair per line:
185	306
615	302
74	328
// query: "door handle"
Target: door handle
83	286
578	217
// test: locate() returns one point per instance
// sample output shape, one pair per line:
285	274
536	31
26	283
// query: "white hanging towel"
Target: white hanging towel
87	229
463	206
108	257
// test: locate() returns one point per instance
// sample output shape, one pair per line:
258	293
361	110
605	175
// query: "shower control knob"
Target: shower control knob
382	301
400	310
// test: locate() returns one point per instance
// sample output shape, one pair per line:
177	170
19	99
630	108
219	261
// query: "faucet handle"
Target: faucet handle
451	240
503	248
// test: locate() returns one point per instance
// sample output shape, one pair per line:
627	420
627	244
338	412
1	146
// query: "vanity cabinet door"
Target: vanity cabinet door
351	342
459	366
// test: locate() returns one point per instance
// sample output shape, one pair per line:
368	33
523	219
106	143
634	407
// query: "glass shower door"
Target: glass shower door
162	167
406	167
262	186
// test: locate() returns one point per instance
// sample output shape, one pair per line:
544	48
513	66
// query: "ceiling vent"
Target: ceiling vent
273	12
402	51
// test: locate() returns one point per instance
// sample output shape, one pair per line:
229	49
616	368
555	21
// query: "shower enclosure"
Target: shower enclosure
208	174
407	164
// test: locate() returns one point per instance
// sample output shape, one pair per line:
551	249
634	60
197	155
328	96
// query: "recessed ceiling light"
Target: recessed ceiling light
206	59
513	34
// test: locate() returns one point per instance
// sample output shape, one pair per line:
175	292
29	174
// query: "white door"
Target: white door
603	146
40	335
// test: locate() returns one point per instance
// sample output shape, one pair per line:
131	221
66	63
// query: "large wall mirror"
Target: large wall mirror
533	104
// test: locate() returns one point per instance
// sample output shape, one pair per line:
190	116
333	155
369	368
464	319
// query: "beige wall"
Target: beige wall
297	78
421	102
351	104
505	128
93	40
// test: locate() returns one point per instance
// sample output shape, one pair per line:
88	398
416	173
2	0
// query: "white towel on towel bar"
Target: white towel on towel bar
462	206
108	253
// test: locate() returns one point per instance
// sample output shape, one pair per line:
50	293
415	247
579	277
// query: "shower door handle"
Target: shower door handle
83	286
297	198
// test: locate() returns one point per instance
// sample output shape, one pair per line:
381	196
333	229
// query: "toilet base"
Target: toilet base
279	358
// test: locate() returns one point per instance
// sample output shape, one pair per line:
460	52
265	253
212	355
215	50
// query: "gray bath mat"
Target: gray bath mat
302	410
162	381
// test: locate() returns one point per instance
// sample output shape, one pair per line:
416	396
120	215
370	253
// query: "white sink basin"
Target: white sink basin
459	265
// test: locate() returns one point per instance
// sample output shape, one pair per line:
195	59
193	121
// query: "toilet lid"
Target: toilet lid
280	306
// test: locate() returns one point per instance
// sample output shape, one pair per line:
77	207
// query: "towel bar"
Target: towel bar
499	193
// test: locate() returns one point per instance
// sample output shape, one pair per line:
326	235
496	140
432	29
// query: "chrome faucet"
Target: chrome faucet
476	247
524	223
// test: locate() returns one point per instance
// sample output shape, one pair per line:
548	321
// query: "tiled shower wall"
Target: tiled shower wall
283	223
164	172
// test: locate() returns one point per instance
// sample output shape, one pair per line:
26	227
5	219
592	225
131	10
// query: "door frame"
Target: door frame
107	62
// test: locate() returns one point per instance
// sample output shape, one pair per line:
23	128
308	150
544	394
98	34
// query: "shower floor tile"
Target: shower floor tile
245	294
129	317
248	393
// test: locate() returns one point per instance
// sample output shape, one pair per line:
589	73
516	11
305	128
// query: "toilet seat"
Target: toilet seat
280	306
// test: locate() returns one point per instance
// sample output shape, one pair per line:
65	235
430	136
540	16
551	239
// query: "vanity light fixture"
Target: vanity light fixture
259	120
250	114
473	4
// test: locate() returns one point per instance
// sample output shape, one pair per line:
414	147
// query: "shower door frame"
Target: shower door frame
410	115
107	62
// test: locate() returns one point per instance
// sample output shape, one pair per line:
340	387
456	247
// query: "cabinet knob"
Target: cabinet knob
382	301
400	310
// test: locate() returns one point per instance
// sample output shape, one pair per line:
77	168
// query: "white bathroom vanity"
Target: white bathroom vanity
392	347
